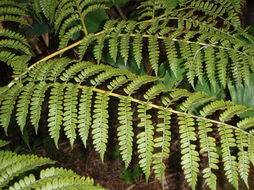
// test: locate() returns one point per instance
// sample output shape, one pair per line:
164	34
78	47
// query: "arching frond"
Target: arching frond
78	99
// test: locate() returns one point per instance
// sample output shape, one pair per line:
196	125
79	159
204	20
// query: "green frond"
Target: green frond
221	65
98	48
215	106
15	45
70	112
246	123
145	139
190	156
125	130
233	110
13	165
154	91
153	49
36	104
7	105
242	142
229	161
251	147
171	54
73	71
13	11
100	123
57	69
138	82
179	93
163	143
137	49
55	115
102	77
87	40
118	82
210	66
208	146
48	8
6	33
90	71
84	114
3	143
113	41
69	35
23	105
195	98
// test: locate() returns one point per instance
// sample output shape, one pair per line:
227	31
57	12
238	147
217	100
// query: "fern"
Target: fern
190	157
125	130
145	139
66	108
100	123
14	165
203	38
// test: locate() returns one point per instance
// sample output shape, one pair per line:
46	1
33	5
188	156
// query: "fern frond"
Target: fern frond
23	105
138	82
137	49
87	40
251	147
70	19
117	82
90	71
153	49
7	105
243	157
229	161
100	123
13	165
107	75
3	143
70	112
13	11
162	142
207	145
84	114
145	139
98	48
74	70
190	156
215	106
233	110
193	99
55	115
17	164
36	104
154	91
48	8
125	130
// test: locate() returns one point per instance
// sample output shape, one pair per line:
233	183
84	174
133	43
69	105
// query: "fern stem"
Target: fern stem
172	111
